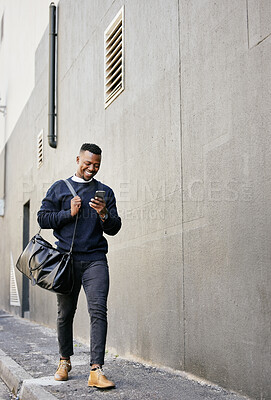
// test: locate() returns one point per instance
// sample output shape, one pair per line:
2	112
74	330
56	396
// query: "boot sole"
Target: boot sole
101	387
60	379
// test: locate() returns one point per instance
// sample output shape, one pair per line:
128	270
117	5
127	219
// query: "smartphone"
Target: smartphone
100	194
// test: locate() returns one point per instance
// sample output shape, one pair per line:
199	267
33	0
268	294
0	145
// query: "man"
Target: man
95	217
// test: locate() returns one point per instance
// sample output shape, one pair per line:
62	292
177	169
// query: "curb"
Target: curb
20	382
34	392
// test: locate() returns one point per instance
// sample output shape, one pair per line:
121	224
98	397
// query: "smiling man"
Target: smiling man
96	216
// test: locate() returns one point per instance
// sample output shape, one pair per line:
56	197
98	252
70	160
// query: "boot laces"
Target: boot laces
100	371
64	364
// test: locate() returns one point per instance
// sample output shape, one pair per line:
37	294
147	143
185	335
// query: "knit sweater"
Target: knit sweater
55	213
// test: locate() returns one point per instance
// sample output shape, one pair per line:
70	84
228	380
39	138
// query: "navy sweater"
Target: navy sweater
55	213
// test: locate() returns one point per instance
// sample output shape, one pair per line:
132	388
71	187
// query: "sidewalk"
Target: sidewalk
29	356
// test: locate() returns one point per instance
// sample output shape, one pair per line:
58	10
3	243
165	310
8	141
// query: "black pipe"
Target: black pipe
52	136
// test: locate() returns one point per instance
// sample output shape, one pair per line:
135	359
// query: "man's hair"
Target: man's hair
92	148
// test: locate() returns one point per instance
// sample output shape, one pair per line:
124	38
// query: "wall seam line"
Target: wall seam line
247	25
182	195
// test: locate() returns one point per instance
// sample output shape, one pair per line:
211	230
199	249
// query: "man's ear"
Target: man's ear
77	159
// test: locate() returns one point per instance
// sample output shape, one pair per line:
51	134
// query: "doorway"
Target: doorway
25	282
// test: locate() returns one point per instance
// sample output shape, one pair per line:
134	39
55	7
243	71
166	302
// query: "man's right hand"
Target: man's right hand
75	205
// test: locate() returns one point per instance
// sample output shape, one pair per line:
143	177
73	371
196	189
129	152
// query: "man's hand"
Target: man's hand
99	205
75	205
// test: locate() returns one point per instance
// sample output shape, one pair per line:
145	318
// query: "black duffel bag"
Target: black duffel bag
45	265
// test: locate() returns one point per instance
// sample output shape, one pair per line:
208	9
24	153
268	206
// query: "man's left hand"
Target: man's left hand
99	205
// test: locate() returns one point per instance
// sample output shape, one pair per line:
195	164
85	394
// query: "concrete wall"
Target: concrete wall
225	83
185	148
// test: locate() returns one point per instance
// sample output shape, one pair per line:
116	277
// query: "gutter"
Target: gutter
52	115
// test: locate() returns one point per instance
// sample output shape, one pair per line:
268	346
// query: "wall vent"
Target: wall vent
2	29
2	207
40	149
114	58
13	289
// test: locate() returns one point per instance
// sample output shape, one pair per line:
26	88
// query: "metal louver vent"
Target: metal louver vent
114	58
40	148
2	29
14	294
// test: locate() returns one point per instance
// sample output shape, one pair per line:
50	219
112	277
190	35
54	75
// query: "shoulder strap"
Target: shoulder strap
70	187
74	194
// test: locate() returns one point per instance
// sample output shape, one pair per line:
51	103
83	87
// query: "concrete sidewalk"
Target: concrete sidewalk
29	356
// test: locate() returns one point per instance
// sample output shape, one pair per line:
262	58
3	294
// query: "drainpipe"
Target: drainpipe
3	167
52	135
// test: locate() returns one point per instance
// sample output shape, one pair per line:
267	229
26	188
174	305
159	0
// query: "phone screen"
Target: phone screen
100	194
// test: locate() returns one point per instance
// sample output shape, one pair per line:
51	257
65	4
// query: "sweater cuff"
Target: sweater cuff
109	222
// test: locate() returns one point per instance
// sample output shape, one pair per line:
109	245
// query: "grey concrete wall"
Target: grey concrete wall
185	148
225	84
133	132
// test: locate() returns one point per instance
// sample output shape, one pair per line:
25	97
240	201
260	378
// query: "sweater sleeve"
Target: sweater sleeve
112	224
50	214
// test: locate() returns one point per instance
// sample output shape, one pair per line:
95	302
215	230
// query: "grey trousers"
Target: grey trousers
94	278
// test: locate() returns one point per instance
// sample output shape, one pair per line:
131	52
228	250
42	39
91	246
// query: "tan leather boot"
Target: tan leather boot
98	379
64	367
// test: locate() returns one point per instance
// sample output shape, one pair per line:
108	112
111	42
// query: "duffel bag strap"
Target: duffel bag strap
74	194
70	187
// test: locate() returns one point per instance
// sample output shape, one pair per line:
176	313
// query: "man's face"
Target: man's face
88	165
